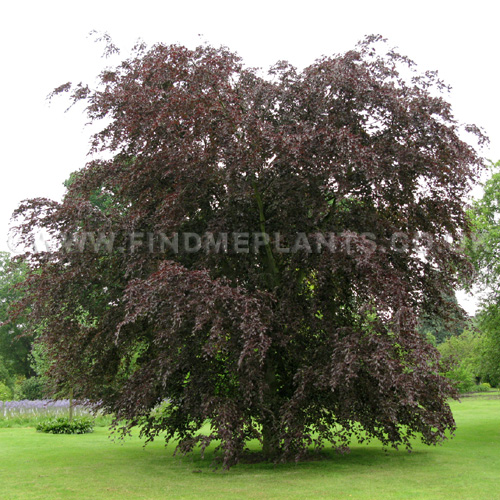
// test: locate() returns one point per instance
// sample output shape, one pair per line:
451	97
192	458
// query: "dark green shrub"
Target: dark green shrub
62	425
5	392
32	389
463	378
6	382
484	387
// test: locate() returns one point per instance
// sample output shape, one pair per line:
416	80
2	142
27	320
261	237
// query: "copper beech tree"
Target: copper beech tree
253	251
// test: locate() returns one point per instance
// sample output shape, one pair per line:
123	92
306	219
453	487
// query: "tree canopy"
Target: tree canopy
484	244
449	321
342	190
484	250
15	341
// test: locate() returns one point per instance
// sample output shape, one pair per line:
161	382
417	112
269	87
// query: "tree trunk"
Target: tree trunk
269	442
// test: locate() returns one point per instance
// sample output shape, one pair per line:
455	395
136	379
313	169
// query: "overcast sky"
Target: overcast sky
45	44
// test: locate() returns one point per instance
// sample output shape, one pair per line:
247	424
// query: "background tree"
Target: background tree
484	251
451	320
463	357
489	325
15	343
295	348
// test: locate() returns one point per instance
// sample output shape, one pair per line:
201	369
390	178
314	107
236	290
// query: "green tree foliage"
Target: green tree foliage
488	321
294	348
449	321
484	251
463	358
32	388
15	342
6	382
484	246
5	392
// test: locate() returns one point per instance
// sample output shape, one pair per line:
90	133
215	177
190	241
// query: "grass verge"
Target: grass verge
91	466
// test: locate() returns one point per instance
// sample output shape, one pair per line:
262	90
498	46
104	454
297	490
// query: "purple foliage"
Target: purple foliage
295	349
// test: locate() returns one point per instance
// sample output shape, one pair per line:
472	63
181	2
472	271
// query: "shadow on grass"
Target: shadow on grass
360	456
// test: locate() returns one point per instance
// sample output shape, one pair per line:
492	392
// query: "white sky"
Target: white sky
45	44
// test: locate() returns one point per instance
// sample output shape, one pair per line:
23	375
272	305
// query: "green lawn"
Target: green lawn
41	466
